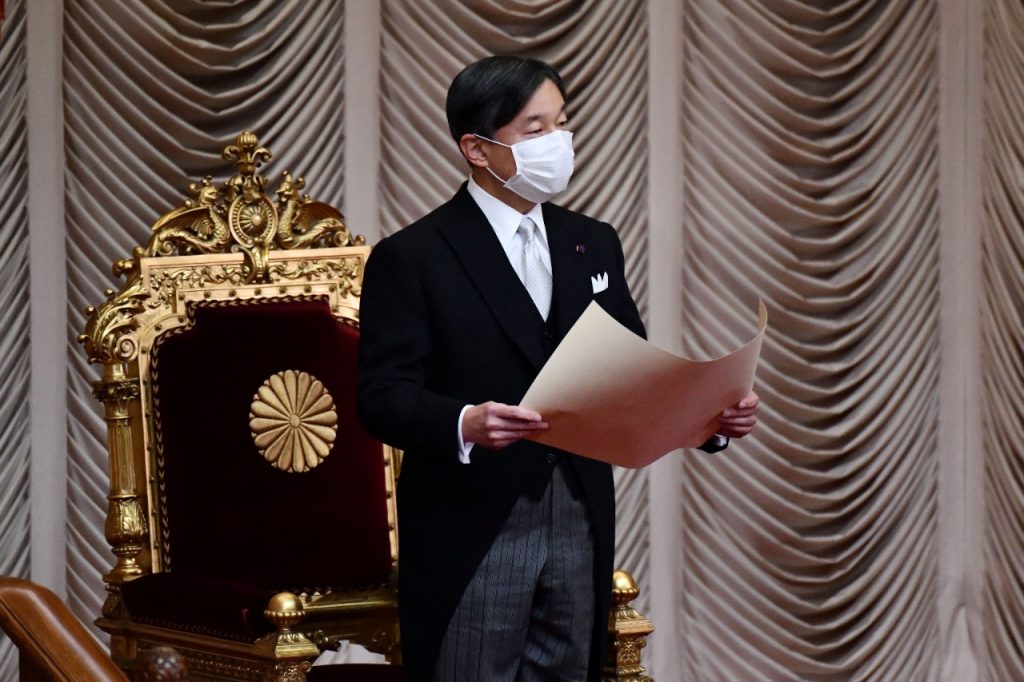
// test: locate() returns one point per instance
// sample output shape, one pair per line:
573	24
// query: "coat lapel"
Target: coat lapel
572	290
478	249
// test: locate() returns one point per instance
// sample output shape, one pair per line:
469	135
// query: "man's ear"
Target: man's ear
472	149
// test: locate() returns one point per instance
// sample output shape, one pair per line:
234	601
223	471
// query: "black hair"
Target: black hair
489	93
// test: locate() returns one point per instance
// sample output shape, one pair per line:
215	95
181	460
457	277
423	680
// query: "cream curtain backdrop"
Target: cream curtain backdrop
14	310
1003	334
819	155
810	144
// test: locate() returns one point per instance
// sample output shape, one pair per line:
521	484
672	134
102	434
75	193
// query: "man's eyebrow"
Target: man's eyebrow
537	117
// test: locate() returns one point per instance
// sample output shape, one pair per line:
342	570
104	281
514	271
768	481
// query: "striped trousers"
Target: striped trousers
527	614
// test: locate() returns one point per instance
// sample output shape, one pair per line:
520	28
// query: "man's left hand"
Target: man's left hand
739	420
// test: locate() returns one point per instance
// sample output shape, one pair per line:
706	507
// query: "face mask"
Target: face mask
543	165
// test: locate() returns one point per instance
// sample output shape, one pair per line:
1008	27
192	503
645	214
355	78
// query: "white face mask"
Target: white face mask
543	165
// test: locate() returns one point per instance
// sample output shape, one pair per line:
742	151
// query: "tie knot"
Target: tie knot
526	228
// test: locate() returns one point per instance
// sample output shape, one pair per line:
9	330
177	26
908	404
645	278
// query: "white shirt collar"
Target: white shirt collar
503	218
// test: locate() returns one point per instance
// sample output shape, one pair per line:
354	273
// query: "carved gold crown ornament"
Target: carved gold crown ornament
293	421
236	217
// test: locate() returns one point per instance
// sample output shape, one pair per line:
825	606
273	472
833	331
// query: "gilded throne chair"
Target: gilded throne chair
251	516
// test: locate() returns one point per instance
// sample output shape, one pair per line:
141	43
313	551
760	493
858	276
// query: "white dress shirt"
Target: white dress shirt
504	220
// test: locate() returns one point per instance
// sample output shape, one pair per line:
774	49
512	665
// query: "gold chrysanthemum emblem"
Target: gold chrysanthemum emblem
293	421
254	218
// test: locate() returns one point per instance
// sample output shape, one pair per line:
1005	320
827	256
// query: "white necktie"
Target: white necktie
536	277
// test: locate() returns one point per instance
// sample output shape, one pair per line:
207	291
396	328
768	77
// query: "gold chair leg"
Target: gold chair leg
125	529
627	633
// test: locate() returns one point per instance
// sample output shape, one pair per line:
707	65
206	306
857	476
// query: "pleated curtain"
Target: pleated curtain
14	312
1002	328
811	176
810	143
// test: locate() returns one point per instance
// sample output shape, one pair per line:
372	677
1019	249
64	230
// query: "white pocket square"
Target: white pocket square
599	282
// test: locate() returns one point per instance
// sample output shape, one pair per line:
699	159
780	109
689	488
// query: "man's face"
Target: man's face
543	113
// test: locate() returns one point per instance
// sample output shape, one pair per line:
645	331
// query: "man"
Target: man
506	544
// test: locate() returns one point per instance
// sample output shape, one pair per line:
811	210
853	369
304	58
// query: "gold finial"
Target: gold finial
248	156
624	589
284	610
247	153
627	631
293	650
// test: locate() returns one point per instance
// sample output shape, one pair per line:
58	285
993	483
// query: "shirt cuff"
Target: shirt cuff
716	443
464	446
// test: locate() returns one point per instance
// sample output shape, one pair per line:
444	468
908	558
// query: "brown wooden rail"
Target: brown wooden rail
54	646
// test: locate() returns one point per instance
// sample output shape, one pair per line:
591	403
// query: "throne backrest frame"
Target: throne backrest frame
233	243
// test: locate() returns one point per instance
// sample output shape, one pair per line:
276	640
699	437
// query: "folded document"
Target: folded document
610	395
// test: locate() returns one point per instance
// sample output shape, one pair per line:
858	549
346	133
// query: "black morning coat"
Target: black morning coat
446	322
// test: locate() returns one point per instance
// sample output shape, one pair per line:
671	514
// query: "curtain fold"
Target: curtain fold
1002	315
811	181
14	312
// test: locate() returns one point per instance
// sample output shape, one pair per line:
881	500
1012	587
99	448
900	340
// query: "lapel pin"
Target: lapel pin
581	249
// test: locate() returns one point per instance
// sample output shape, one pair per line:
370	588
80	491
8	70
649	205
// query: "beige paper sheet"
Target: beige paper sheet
610	395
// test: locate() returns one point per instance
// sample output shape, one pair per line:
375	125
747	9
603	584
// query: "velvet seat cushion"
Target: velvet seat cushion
230	515
198	604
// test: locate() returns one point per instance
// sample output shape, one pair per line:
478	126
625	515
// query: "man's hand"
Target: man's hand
739	420
496	425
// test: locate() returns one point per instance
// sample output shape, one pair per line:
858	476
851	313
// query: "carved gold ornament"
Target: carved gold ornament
236	216
293	421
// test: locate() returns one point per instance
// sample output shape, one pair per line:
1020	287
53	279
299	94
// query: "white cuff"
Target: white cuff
464	446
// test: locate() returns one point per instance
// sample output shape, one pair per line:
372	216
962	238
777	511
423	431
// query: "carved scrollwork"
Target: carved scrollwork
109	333
113	605
163	283
238	217
244	246
107	391
292	671
248	156
346	273
198	227
125	527
204	665
161	664
305	222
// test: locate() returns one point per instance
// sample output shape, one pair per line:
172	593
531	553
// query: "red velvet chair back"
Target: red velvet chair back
225	511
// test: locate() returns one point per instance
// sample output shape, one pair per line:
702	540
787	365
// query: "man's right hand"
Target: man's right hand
497	425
